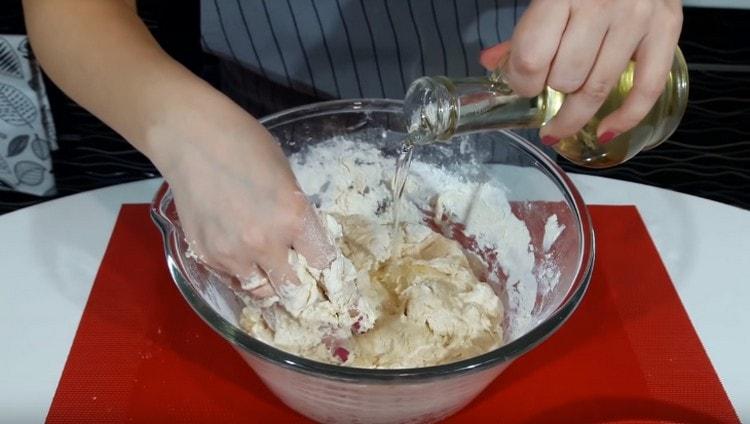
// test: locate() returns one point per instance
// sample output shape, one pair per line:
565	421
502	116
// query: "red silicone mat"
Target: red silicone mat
628	354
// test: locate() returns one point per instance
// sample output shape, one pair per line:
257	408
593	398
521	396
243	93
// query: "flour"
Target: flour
487	217
434	300
552	231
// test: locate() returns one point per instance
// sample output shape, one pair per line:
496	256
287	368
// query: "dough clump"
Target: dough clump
392	297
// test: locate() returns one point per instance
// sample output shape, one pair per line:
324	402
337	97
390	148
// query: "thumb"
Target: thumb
314	242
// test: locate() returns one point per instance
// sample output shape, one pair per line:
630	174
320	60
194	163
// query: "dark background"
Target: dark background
708	156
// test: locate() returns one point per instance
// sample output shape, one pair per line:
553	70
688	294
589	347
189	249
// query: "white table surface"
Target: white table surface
50	253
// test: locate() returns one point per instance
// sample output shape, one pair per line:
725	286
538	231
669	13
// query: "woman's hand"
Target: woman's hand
236	196
580	47
238	200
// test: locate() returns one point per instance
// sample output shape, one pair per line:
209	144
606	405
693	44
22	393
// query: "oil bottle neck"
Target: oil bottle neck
439	107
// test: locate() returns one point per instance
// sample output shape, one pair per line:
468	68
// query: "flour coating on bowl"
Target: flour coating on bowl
426	293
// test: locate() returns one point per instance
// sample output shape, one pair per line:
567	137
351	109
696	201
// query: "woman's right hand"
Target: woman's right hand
239	202
580	48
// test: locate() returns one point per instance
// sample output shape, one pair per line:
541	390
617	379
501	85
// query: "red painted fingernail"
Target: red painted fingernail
549	140
607	136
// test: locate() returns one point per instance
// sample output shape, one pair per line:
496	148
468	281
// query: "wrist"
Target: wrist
190	123
202	126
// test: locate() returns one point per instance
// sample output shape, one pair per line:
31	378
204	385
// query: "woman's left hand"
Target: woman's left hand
580	47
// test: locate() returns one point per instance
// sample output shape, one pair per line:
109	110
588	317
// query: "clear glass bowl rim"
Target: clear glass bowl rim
507	352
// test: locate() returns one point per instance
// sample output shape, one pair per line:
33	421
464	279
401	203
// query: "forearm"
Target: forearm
102	55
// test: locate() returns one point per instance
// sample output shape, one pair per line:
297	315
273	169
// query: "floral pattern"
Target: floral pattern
27	133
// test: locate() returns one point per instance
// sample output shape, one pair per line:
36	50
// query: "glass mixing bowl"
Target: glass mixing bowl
535	186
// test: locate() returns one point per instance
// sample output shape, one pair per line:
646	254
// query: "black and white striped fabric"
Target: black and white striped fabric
356	48
708	156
